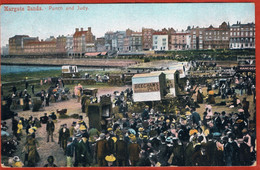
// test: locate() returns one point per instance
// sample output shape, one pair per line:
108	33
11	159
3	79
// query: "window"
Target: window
164	39
200	32
206	33
251	33
235	33
242	33
238	33
214	32
194	36
246	33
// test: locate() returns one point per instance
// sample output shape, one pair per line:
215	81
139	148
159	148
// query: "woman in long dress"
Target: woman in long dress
200	96
32	156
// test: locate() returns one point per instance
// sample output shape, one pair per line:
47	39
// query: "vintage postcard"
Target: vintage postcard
130	84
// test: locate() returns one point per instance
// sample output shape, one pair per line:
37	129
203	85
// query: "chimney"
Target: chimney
89	29
81	29
77	30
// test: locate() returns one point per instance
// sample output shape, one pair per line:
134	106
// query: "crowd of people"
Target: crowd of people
152	138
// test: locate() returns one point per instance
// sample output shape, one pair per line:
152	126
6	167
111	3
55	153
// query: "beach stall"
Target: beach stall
182	67
149	87
171	77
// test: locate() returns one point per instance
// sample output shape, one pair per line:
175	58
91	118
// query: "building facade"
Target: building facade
136	41
16	44
61	44
5	50
160	41
196	38
147	38
83	41
108	40
100	44
216	38
127	46
69	45
242	36
178	41
118	41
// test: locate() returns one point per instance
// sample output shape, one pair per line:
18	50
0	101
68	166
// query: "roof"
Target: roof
103	53
40	42
79	33
248	24
92	54
95	53
160	33
180	33
19	36
165	72
147	75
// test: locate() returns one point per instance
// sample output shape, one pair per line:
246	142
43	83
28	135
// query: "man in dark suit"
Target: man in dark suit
145	114
64	135
134	149
101	150
210	148
195	117
50	129
217	121
85	157
121	151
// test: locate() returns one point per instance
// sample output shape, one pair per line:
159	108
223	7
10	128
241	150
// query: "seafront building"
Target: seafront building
160	41
236	36
242	36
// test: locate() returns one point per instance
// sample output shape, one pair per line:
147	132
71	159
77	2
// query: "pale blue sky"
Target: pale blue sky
112	17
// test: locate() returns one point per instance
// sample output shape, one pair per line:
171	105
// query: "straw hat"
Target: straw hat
114	139
109	129
141	129
211	92
188	113
110	158
168	120
31	131
133	139
192	131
